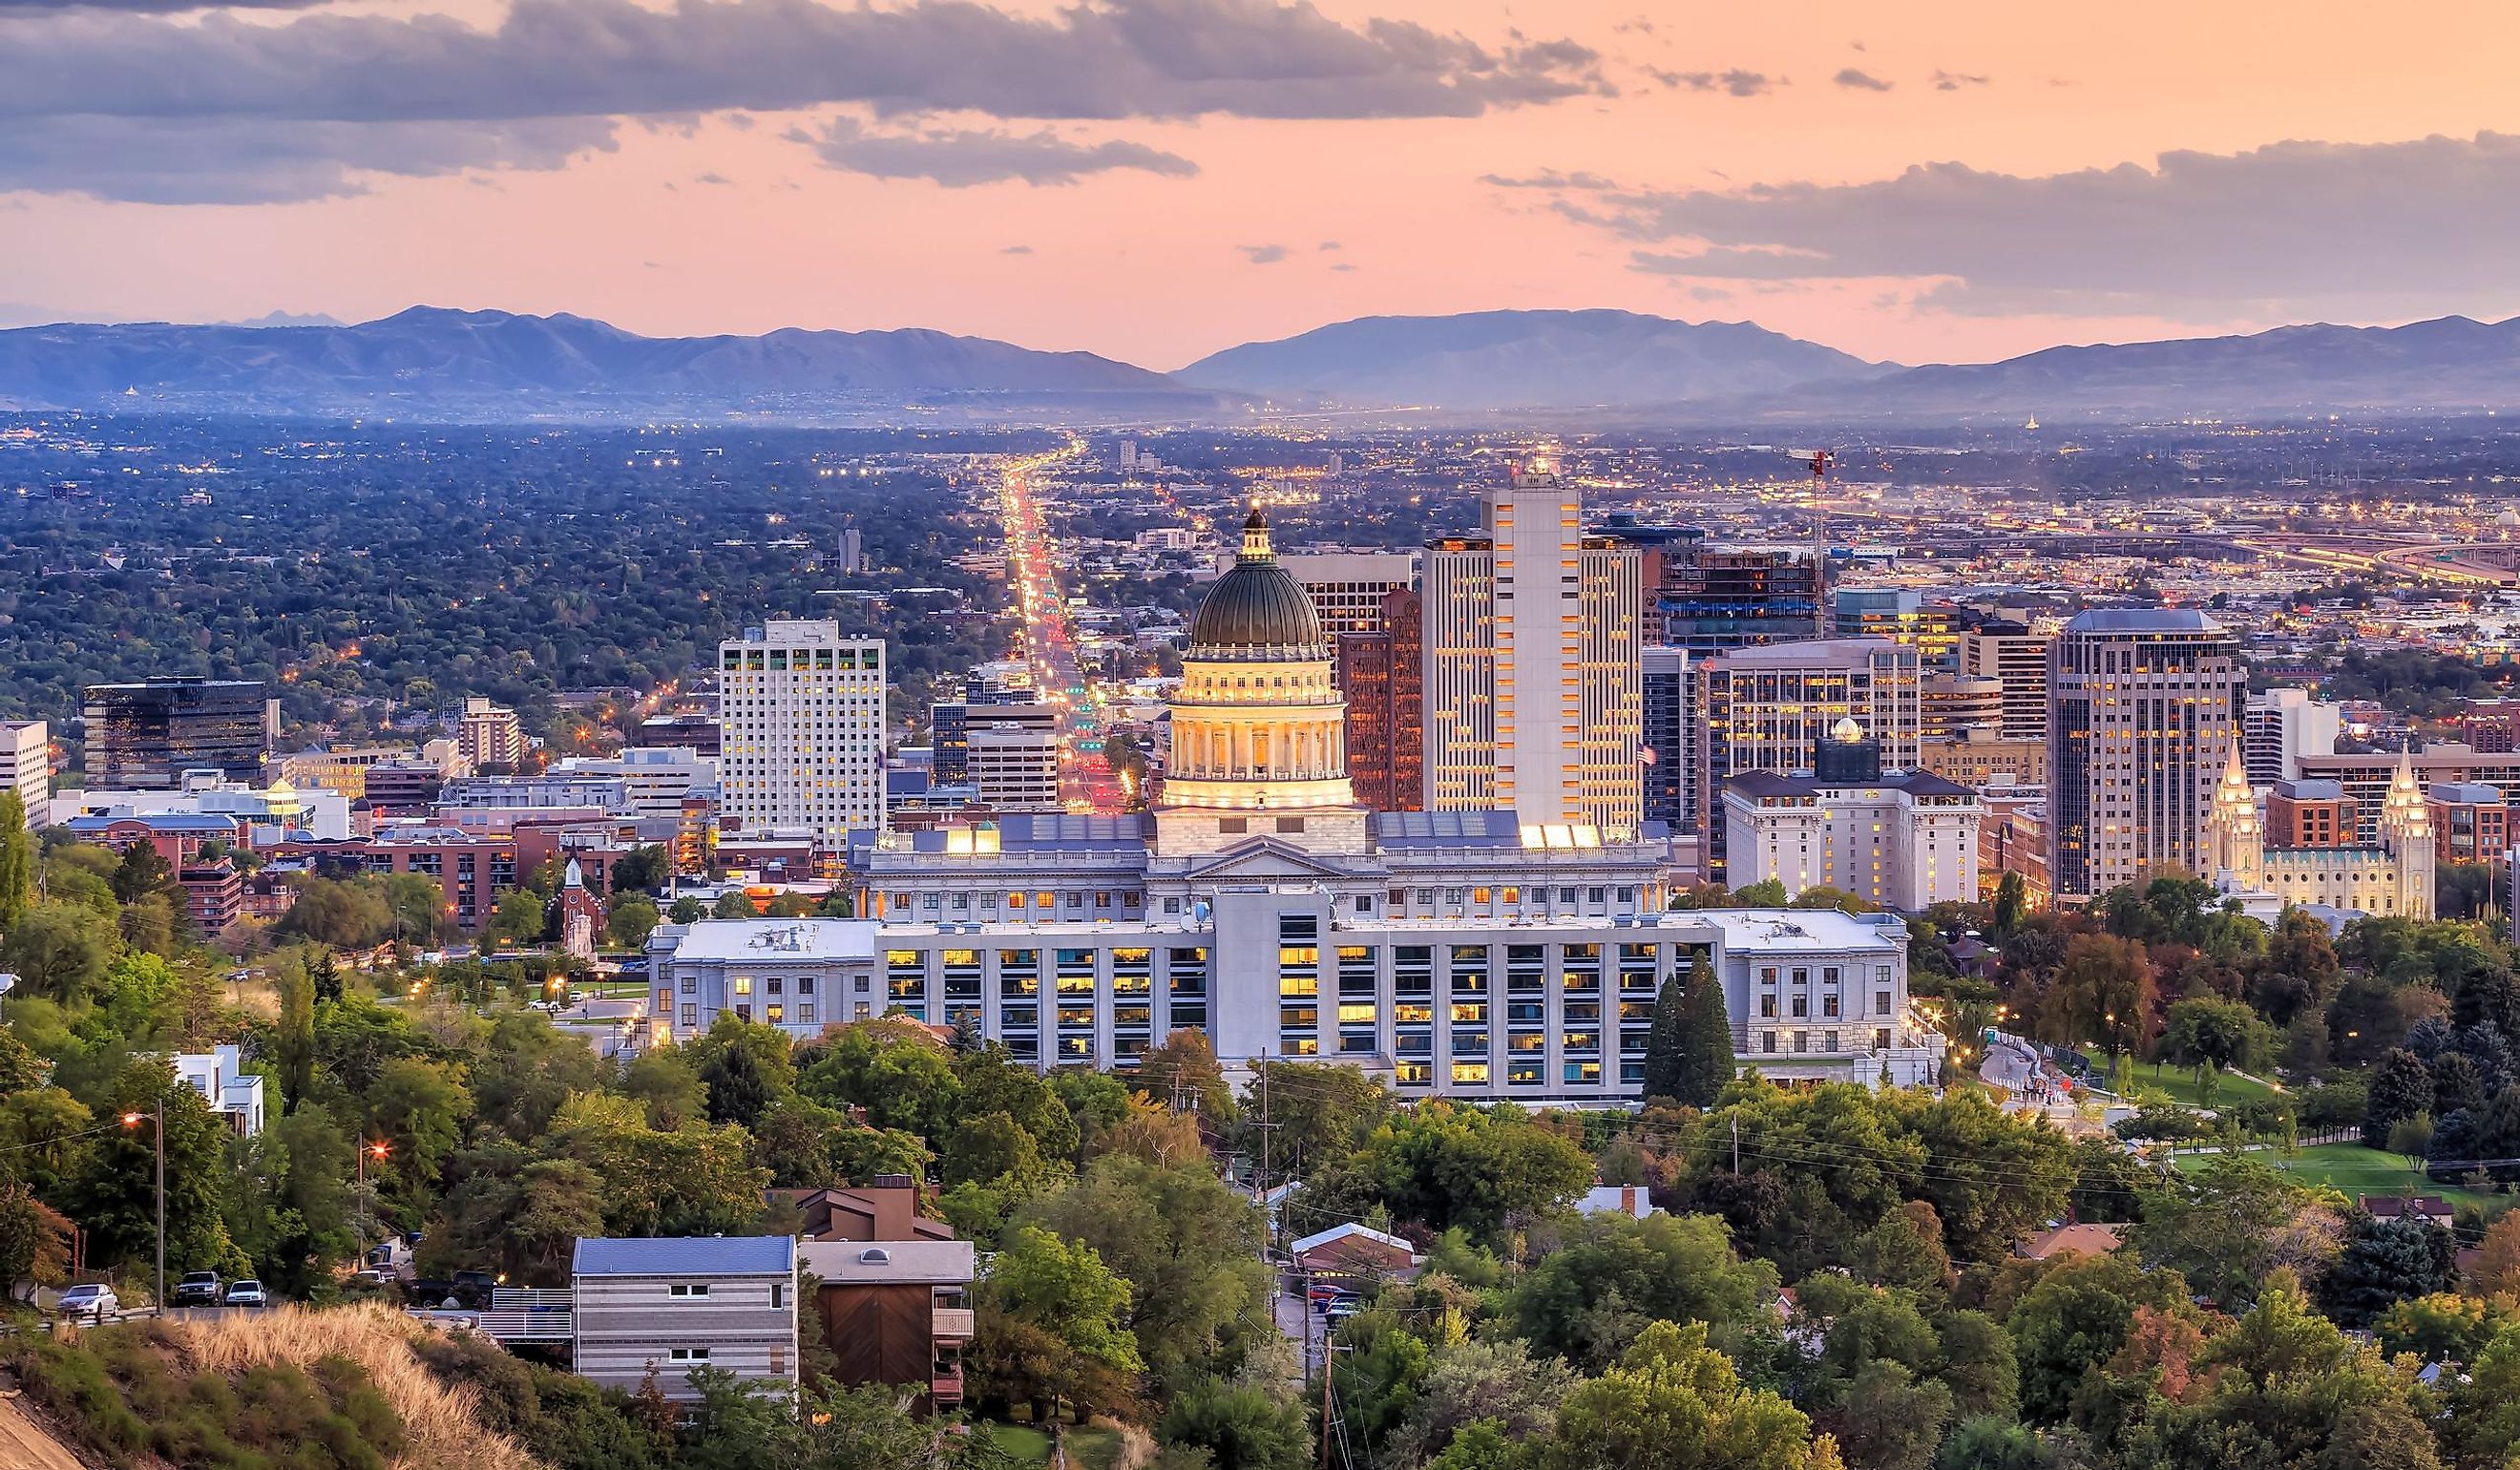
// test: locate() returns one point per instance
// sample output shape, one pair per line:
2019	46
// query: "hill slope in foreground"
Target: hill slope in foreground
287	1386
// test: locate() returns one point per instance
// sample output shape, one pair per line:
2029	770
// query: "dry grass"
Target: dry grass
439	1421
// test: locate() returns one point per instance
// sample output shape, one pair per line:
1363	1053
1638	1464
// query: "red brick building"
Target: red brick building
1381	675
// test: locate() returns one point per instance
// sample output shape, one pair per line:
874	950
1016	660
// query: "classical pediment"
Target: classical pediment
1270	860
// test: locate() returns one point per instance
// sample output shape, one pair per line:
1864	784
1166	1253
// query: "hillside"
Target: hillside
1527	359
469	363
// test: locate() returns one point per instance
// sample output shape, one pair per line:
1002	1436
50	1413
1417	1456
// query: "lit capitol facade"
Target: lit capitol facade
1453	953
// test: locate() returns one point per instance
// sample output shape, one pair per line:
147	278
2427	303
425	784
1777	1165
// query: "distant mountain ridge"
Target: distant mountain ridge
469	363
1528	359
1609	365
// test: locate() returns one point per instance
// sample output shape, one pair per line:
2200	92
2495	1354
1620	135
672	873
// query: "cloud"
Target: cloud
1016	250
1860	81
152	82
1263	254
1952	81
253	162
1735	82
960	159
146	7
2293	227
1329	245
1548	178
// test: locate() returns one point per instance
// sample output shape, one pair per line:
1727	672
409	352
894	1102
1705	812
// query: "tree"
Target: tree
292	1036
1050	1325
685	909
1891	1419
733	903
2076	1317
1241	1424
115	1199
693	1181
34	1237
2100	997
2457	1087
630	922
1474	1382
2496	1267
2400	1088
1688	1052
17	861
2443	1327
1184	1064
641	869
144	872
1674	1403
517	919
2386	1262
2012	904
1319	1113
893	1068
58	950
2226	1227
1992	1442
1614	1276
1447	1164
2207	1030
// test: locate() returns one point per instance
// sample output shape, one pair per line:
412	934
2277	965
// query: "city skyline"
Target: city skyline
1154	182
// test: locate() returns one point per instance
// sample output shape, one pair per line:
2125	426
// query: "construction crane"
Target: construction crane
1821	460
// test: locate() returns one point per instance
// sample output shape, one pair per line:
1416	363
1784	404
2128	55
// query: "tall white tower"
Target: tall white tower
2236	838
2407	831
1534	699
801	716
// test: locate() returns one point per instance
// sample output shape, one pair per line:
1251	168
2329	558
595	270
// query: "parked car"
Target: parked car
198	1289
429	1291
472	1288
245	1293
94	1299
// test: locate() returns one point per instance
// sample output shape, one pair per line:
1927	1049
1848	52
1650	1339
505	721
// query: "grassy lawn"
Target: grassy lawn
2351	1169
2181	1084
1086	1449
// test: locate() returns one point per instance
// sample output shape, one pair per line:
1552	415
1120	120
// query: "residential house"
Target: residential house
897	1312
1349	1249
232	1093
683	1304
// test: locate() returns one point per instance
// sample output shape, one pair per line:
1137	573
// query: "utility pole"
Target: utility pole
1326	1399
158	1124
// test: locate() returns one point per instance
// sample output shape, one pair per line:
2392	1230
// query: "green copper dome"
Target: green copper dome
1257	609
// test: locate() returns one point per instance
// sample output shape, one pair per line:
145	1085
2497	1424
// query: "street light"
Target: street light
379	1149
158	1120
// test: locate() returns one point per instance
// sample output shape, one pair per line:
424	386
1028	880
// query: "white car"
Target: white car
92	1300
245	1293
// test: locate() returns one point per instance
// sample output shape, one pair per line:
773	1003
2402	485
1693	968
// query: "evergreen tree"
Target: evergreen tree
2400	1088
326	976
2386	1262
2457	1087
1664	1044
144	870
1688	1052
2011	901
17	861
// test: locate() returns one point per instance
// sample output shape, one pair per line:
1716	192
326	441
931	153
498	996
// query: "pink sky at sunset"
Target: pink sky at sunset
712	212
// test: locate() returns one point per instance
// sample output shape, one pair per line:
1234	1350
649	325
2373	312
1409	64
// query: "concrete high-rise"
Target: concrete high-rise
2144	714
2016	658
490	735
144	736
2278	727
801	710
1382	674
1347	587
1768	708
27	767
1534	638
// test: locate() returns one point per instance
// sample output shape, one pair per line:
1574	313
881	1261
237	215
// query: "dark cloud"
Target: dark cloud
1330	244
1263	254
959	158
1110	59
2292	228
1548	178
253	161
1017	250
155	84
1735	82
1860	81
146	7
1952	81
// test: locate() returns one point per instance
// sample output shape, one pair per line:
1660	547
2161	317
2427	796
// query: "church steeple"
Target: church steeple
2234	835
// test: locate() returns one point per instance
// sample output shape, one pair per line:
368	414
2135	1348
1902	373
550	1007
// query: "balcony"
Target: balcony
945	1385
952	1324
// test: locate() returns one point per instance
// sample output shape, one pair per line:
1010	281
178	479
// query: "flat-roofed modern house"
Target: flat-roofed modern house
683	1304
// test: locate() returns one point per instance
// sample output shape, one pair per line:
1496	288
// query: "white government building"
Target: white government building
1454	953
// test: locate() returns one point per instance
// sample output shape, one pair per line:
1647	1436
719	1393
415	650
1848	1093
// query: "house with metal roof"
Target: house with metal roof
677	1305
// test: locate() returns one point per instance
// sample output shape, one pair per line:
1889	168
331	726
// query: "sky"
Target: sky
1159	179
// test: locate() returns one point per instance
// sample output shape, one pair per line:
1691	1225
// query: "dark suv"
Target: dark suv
472	1288
198	1288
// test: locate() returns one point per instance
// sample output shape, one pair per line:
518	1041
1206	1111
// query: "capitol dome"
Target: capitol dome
1257	610
1846	732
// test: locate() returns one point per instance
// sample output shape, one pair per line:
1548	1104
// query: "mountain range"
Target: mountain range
430	362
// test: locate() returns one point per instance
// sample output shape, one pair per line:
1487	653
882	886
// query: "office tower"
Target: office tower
848	554
27	767
1382	674
1770	708
2144	714
2018	658
489	734
1128	454
144	736
1949	704
1710	599
1013	766
1533	646
951	725
1008	681
697	733
1347	586
1669	753
801	709
1903	616
2278	727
